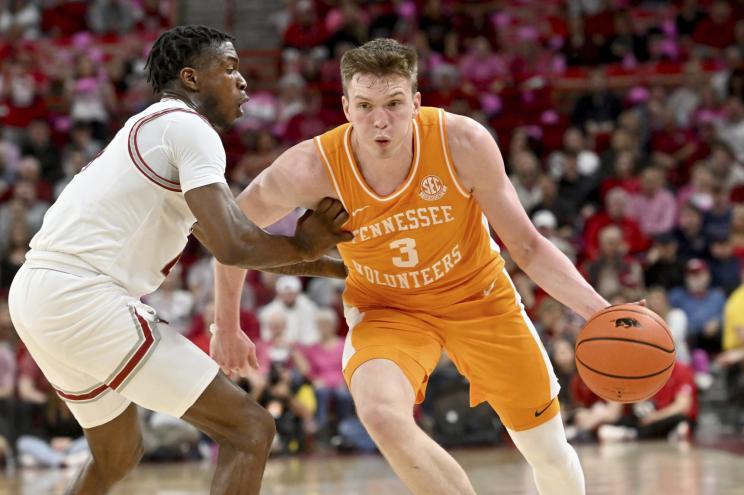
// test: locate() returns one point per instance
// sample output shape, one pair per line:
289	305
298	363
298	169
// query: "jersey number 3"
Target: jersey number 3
409	256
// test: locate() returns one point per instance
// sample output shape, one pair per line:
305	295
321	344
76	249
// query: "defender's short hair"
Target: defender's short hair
178	48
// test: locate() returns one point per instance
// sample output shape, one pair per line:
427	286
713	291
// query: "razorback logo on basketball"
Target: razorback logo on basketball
432	188
627	323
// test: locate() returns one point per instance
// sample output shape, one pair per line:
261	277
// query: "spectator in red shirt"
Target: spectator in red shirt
675	146
312	121
613	271
614	213
672	412
717	30
448	90
591	413
305	31
20	91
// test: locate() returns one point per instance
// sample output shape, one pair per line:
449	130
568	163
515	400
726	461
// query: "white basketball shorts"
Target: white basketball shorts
101	348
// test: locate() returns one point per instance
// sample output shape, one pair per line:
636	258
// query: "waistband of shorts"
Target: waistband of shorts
62	262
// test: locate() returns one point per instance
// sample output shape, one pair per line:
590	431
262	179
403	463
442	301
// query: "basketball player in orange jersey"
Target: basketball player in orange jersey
423	272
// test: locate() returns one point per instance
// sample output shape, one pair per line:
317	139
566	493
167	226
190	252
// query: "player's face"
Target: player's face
222	87
381	110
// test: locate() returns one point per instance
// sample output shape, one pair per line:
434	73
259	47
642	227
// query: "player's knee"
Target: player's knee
253	429
383	420
114	464
556	454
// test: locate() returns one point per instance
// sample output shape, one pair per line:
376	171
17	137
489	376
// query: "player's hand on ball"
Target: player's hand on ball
320	229
233	351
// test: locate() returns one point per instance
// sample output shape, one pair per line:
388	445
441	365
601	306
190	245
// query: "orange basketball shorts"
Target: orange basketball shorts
489	338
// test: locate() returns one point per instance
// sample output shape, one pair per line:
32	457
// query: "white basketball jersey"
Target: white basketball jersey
124	215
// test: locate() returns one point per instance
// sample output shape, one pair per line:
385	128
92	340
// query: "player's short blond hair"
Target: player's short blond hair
380	57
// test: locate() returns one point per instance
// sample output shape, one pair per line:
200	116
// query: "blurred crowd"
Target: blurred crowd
621	124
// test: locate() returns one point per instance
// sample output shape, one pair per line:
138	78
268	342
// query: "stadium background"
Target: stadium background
621	123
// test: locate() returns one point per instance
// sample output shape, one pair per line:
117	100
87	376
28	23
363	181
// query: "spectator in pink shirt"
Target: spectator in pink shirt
321	364
653	207
481	65
699	191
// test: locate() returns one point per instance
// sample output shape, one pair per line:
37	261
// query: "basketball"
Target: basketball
625	353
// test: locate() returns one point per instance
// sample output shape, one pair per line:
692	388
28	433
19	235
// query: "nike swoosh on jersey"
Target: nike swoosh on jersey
359	210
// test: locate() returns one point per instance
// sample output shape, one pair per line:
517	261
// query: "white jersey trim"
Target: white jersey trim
140	162
445	152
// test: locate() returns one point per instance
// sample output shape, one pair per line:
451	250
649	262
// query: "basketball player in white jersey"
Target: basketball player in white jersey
113	235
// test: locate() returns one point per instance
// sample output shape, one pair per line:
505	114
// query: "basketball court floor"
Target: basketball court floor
622	469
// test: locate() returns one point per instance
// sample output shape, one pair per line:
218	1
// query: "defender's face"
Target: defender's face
222	87
381	110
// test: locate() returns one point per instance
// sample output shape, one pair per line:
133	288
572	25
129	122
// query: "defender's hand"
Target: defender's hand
320	229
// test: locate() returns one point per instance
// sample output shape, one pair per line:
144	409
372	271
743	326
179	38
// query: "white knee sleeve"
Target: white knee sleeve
555	464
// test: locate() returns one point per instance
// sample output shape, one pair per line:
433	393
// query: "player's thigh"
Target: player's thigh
503	358
394	336
92	326
86	322
33	298
171	377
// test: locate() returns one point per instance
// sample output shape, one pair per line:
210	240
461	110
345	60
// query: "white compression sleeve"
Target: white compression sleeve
555	464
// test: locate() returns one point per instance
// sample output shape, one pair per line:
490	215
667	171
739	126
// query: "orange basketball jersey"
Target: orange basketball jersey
425	245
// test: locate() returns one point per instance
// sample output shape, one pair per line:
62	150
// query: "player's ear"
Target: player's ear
345	105
416	104
189	78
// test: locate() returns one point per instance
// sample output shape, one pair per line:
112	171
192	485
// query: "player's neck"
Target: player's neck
174	94
384	172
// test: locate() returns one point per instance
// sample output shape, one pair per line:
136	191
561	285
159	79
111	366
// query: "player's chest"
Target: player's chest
420	213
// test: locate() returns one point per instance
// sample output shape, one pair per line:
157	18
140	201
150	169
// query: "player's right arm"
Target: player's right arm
234	240
296	178
183	140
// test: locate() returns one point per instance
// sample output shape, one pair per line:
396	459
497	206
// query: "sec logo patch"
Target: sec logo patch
432	188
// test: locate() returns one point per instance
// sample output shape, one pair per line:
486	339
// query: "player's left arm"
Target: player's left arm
480	168
294	179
